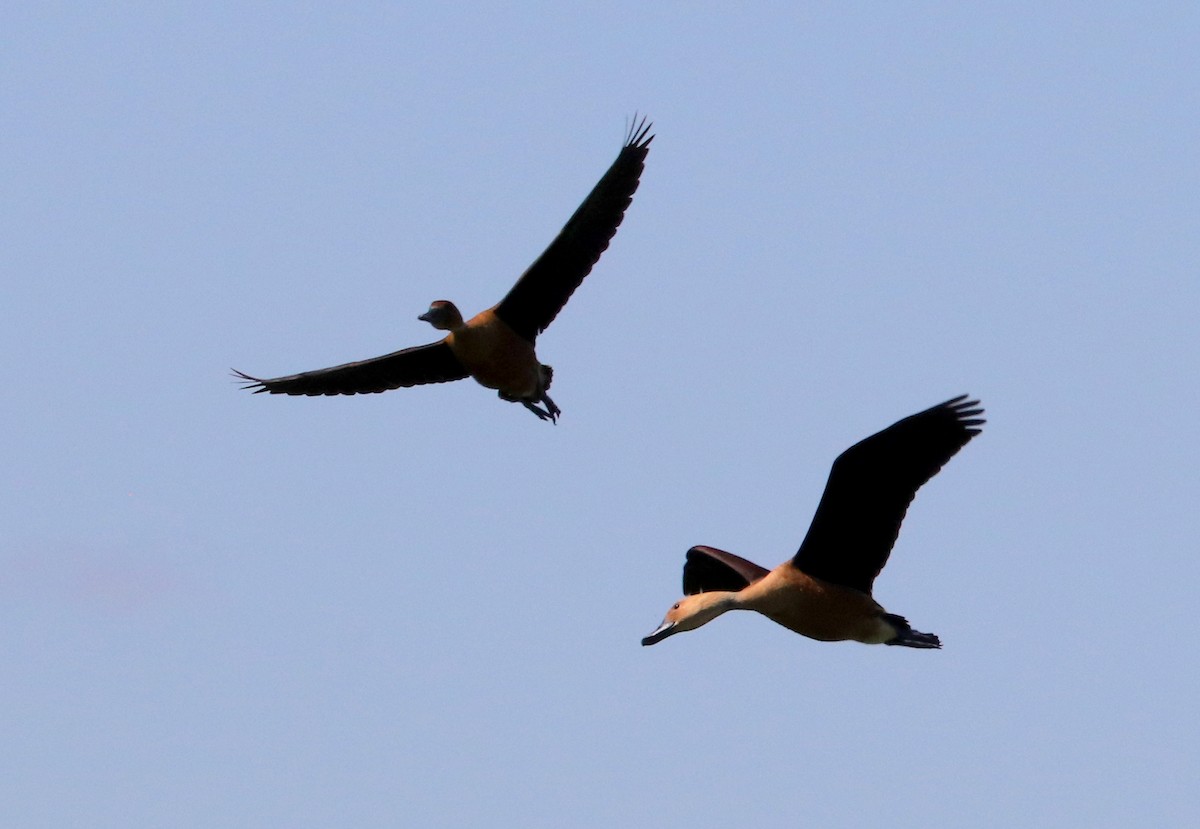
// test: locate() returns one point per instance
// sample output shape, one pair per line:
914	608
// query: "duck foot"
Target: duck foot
543	414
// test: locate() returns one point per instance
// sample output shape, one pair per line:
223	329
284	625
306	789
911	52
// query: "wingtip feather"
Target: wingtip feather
249	383
635	136
967	410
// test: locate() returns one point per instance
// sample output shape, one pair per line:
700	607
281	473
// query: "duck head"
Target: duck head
691	612
442	315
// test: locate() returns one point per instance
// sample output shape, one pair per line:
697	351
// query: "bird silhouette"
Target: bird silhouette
824	591
497	346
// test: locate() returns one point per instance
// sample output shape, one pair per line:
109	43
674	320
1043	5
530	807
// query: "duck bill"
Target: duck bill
424	317
664	630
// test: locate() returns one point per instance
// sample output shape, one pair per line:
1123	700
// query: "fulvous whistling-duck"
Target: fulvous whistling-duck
824	591
496	346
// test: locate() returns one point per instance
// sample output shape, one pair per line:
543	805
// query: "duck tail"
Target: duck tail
908	637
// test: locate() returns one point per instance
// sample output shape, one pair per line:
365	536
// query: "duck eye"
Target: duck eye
675	606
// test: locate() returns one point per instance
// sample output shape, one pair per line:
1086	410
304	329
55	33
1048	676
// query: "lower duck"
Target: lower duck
824	591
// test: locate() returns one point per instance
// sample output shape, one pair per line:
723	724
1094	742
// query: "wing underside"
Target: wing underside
432	363
545	287
708	568
870	487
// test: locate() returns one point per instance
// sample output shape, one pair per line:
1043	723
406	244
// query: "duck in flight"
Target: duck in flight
496	346
824	591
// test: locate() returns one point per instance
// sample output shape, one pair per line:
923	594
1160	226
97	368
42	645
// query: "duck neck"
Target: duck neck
722	601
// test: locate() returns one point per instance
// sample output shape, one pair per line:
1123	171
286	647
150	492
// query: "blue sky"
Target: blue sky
424	607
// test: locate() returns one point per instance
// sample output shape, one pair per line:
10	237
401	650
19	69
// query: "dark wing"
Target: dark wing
545	287
870	487
708	568
432	363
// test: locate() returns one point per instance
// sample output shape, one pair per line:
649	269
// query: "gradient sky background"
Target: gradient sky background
424	607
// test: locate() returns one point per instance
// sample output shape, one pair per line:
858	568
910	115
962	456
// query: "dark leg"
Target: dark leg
908	637
551	412
551	408
541	413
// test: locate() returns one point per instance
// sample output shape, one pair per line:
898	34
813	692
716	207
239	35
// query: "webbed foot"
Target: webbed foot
542	414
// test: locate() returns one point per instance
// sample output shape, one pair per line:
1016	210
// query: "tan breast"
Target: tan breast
496	356
815	608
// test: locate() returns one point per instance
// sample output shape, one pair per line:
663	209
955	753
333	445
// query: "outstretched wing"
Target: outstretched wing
432	363
545	287
708	568
870	487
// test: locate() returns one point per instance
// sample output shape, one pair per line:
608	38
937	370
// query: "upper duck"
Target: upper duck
496	346
824	591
